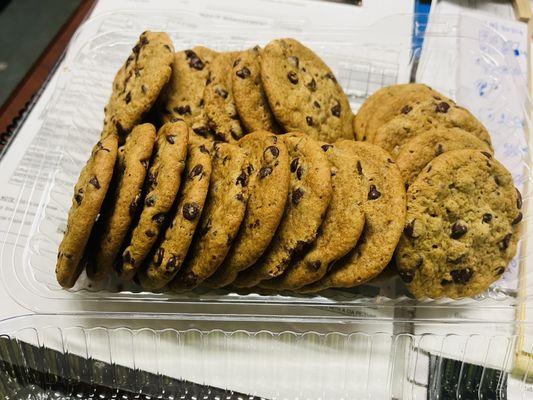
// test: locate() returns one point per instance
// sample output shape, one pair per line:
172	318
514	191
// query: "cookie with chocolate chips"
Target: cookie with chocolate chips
386	103
341	228
420	117
420	150
219	102
184	96
162	184
89	194
121	204
168	258
462	226
384	210
268	167
139	81
249	94
308	200
303	92
223	212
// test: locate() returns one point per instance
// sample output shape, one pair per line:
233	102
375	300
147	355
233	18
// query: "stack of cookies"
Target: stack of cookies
240	169
463	211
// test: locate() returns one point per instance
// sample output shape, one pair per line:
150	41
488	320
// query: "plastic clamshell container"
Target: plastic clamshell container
373	341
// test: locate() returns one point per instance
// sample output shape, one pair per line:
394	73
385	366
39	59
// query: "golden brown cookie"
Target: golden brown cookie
89	194
163	182
268	164
309	197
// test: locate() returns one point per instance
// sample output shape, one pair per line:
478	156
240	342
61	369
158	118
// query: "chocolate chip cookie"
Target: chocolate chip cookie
384	211
420	150
249	94
388	102
89	194
219	101
162	184
139	81
419	117
303	92
268	164
184	95
121	204
462	225
221	218
308	199
170	254
341	228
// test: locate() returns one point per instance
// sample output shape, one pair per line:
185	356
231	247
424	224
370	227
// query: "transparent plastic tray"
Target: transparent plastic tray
104	356
363	60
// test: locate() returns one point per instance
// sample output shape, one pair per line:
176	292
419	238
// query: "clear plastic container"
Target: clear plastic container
371	341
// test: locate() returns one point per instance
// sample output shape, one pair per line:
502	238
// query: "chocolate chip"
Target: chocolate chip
94	181
143	89
243	73
222	93
145	163
374	193
166	46
330	75
171	139
151	179
294	164
487	154
196	170
406	276
326	147
182	110
190	211
150	233
133	205
194	61
240	197
458	230
504	244
487	218
497	180
445	282
242	179
442	107
336	110
202	131
314	265
150	201
293	78
128	258
293	61
172	262
461	276
312	85
203	149
78	197
264	172
316	104
517	219
410	229
297	195
299	173
127	98
249	169
439	150
406	109
159	218
359	168
518	199
500	270
158	258
271	153
309	120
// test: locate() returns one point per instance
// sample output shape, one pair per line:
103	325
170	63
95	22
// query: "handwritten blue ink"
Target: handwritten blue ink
516	52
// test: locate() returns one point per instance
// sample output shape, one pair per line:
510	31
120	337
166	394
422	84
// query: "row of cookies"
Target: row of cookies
463	211
284	87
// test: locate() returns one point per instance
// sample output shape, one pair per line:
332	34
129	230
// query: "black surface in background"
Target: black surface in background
30	372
